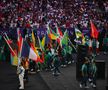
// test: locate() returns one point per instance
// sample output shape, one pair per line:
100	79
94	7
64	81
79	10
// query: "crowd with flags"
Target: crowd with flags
48	32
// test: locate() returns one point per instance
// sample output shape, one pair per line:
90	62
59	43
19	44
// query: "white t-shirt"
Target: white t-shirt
21	70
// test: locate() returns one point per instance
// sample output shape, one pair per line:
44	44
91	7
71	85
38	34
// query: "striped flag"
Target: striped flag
27	51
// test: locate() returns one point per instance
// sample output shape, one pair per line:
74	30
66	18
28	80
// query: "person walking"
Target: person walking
56	63
69	55
20	72
93	71
63	61
84	73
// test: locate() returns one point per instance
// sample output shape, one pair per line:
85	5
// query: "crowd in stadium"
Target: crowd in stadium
30	13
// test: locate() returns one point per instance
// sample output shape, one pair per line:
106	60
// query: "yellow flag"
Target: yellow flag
43	42
33	38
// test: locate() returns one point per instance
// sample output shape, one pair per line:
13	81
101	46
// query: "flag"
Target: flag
35	50
14	60
52	35
14	57
43	42
27	51
33	39
9	42
78	33
60	35
19	40
83	39
59	32
94	32
47	39
64	40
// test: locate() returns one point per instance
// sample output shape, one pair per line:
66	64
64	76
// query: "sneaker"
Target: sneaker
52	69
86	86
64	65
38	70
53	73
21	88
73	61
104	52
94	85
80	85
69	62
90	80
91	84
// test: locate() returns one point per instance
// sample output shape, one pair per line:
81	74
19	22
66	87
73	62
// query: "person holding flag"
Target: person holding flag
20	72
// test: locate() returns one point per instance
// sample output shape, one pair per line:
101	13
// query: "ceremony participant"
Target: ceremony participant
84	73
49	60
93	71
69	54
32	66
63	61
56	63
20	72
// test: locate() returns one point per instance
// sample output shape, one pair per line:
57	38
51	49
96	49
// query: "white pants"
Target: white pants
21	81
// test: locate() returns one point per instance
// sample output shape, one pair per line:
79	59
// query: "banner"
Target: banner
41	32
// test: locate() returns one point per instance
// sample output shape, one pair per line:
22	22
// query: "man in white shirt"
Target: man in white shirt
20	72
